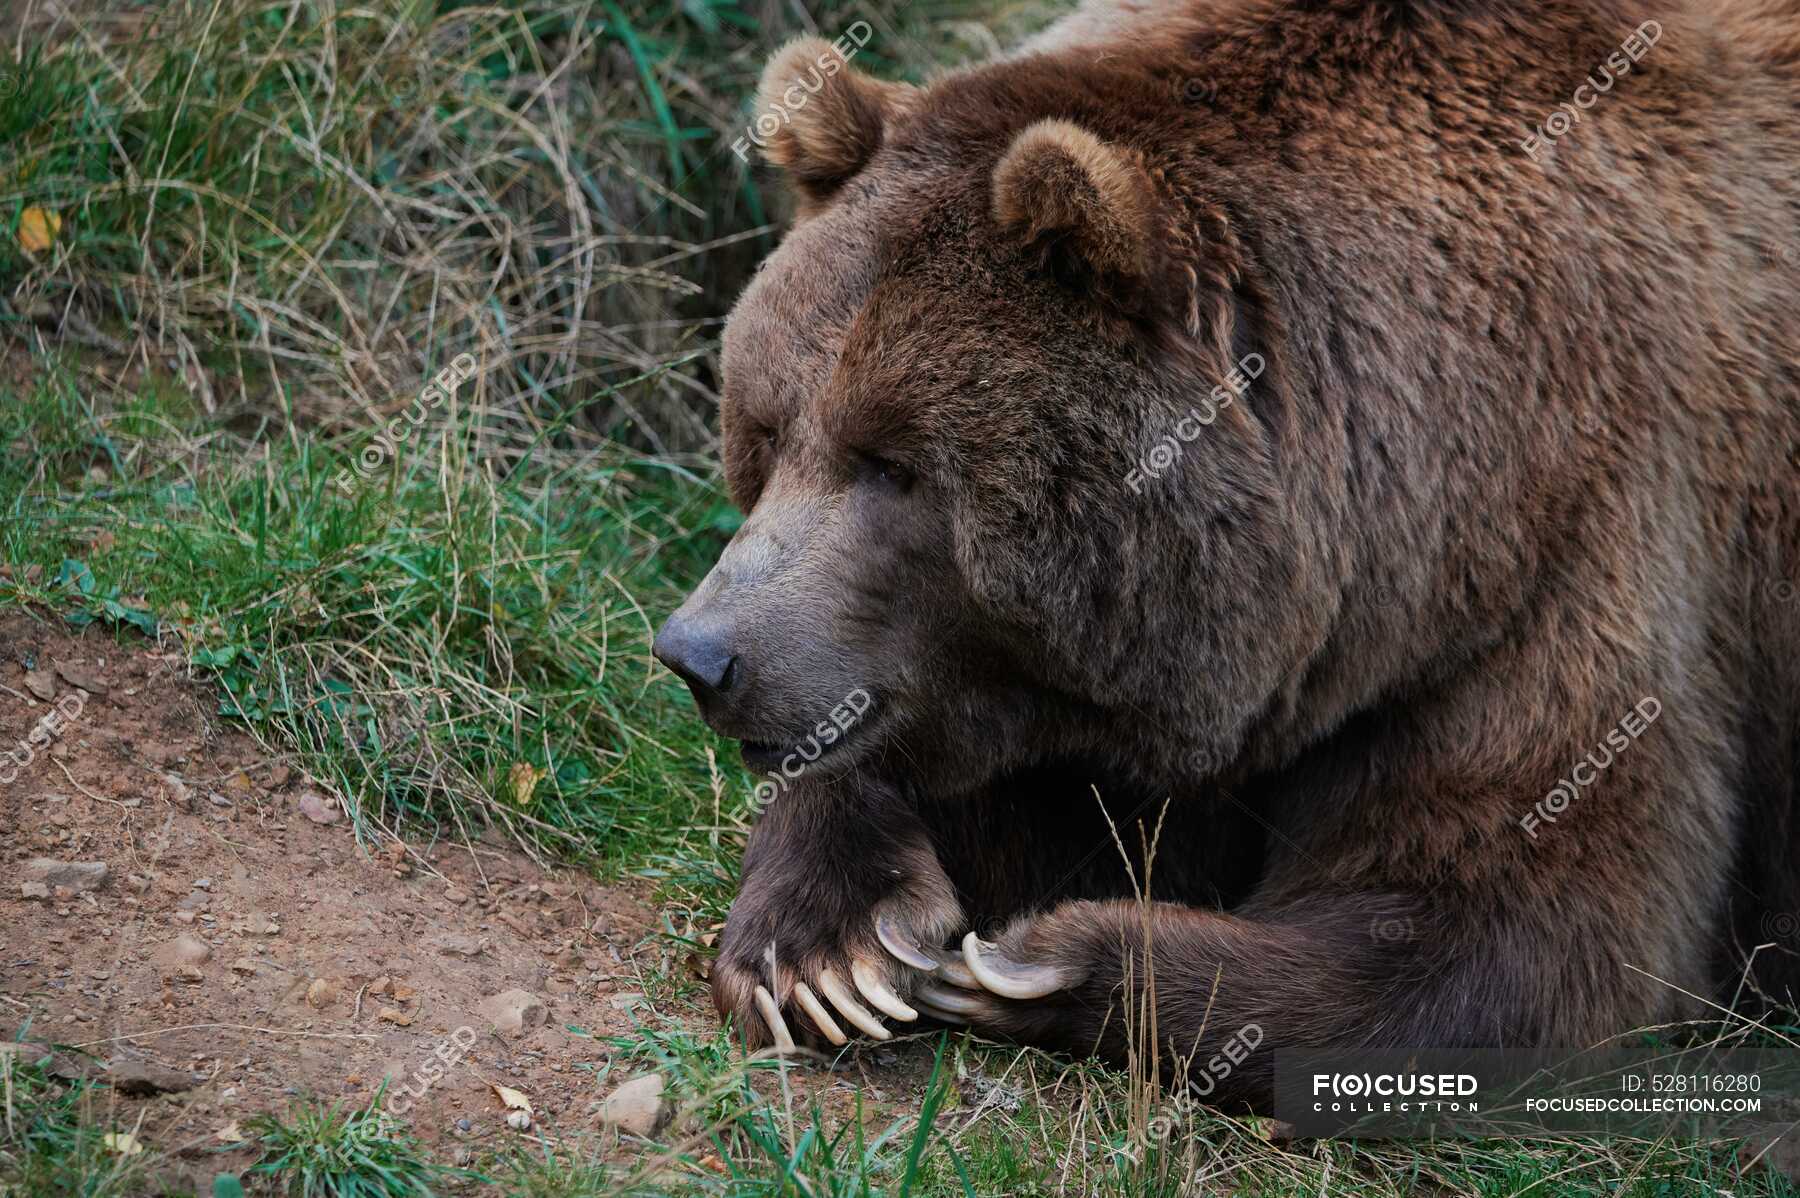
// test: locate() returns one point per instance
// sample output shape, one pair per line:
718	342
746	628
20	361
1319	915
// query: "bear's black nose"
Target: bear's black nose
700	655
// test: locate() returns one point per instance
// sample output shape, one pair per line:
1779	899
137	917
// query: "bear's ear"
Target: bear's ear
820	119
1059	185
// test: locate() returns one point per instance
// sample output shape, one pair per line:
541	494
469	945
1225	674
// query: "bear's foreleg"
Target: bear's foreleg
1094	977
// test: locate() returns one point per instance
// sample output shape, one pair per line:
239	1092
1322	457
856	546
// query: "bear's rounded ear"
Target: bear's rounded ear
1059	184
819	118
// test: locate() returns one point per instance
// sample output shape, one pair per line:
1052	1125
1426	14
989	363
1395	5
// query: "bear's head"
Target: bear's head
951	400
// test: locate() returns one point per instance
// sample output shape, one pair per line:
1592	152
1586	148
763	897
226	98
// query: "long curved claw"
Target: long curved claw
939	1013
771	1013
948	998
953	969
815	1011
1009	979
901	946
849	1008
880	995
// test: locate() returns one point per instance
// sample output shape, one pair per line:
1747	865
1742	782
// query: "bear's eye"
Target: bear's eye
771	438
887	471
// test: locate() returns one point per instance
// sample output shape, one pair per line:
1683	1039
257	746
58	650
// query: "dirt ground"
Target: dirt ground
241	949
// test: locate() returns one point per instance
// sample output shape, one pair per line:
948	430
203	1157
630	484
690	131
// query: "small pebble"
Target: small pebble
518	1120
463	1125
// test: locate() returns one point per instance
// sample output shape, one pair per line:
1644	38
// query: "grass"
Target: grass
446	646
305	210
63	1139
1020	1122
550	1172
759	1133
988	1122
318	1151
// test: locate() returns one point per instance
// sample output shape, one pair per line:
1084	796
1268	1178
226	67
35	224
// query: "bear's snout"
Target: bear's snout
700	653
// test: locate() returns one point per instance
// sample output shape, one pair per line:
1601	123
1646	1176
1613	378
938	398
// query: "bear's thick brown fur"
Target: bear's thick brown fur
1228	404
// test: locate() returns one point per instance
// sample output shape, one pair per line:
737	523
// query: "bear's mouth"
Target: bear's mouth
792	757
762	754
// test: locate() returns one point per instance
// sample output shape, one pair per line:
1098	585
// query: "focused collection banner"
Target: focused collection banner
1722	1090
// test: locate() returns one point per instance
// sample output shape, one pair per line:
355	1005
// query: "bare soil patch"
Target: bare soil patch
239	953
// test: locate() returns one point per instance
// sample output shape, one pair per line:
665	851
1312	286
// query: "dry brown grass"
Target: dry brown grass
306	210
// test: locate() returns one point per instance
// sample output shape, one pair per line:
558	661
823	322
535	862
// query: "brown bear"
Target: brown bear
1353	442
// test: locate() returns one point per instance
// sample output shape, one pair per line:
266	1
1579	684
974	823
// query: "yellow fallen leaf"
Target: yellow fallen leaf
121	1142
398	1018
38	228
524	778
229	1134
514	1100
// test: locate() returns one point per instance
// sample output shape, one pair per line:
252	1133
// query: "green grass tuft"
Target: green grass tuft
318	1151
64	1138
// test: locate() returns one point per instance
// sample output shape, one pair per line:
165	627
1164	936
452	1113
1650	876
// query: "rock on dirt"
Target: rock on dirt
637	1107
317	808
513	1011
142	1079
78	876
461	946
183	952
58	1063
41	683
81	679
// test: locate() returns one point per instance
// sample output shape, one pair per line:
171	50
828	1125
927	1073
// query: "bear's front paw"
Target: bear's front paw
798	956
